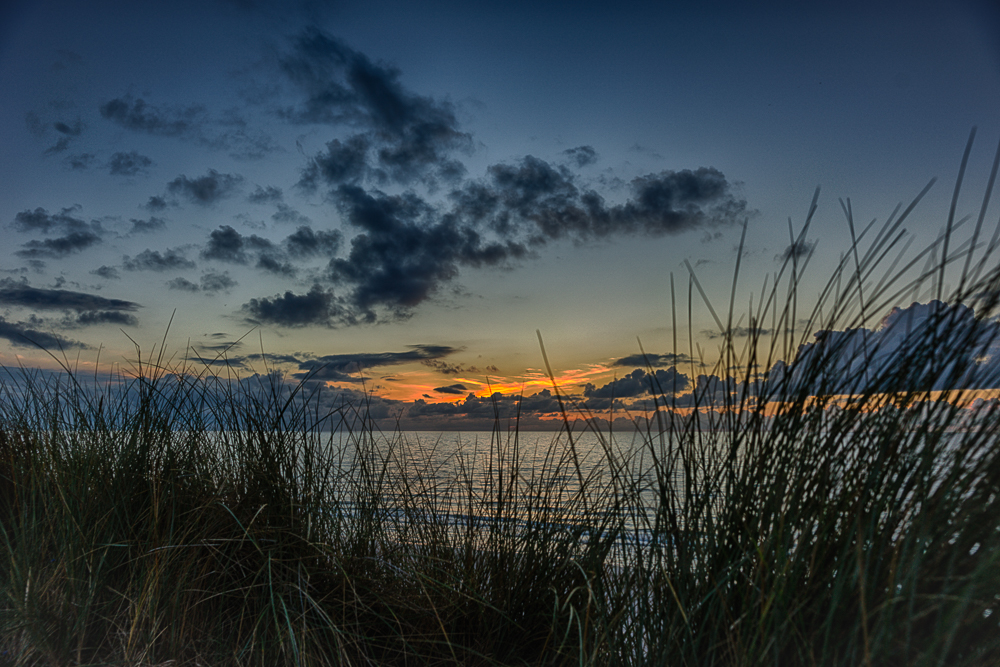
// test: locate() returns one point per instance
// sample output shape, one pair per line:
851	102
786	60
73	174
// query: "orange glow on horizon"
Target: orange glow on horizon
414	385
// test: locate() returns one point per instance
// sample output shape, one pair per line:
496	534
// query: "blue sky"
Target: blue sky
414	188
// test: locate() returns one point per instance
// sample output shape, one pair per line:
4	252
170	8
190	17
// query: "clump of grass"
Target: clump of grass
827	512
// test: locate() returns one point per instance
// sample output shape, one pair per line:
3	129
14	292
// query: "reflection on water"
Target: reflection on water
518	483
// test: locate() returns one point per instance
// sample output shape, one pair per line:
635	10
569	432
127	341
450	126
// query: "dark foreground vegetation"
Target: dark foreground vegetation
823	514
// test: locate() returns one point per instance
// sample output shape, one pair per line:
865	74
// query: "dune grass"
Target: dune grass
825	513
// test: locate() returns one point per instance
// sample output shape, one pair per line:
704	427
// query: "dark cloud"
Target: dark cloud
638	383
107	317
214	281
228	245
183	284
273	264
345	162
138	116
652	360
14	293
40	220
154	224
205	190
155	203
407	248
318	306
339	366
22	335
128	164
171	259
304	242
406	251
269	195
59	246
409	136
106	272
581	156
797	250
225	244
458	389
535	198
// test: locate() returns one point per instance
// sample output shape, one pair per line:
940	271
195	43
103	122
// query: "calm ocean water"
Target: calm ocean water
461	477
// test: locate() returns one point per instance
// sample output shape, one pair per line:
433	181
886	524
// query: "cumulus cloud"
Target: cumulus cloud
212	282
153	260
318	306
76	234
483	410
40	220
405	137
406	251
225	244
128	164
183	284
639	382
545	202
305	242
155	203
106	272
407	248
342	162
920	347
205	190
154	224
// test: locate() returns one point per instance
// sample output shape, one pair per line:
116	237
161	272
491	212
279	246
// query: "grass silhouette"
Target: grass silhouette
842	508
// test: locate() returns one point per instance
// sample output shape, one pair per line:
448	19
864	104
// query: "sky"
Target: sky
391	198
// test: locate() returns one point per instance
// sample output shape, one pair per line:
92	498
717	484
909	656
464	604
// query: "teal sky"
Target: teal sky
397	195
